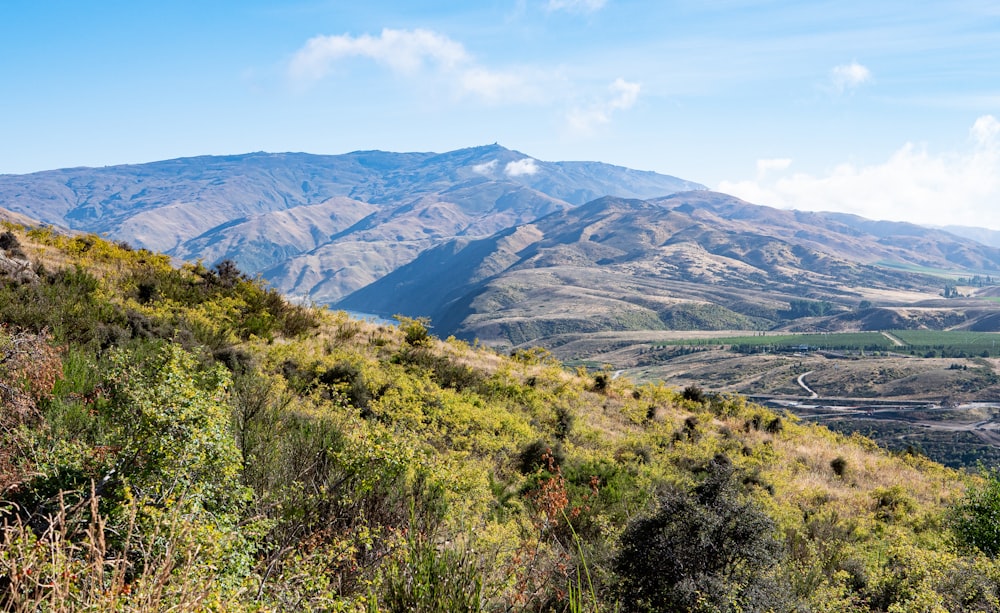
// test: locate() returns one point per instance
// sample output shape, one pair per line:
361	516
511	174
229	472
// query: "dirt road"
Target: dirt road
802	384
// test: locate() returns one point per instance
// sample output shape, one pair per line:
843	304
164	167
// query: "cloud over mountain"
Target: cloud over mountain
485	168
520	168
914	183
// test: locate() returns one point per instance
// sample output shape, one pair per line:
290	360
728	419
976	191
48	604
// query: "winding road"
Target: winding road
802	384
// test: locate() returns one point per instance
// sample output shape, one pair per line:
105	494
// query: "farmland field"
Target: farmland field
841	340
950	342
957	343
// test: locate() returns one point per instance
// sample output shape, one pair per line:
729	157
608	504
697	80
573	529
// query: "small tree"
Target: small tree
415	329
839	465
228	273
709	549
975	519
693	393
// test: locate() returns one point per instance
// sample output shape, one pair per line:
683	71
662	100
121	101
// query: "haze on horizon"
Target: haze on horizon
887	110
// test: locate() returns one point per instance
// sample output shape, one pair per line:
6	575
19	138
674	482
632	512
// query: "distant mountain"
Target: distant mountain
492	243
982	235
693	260
319	226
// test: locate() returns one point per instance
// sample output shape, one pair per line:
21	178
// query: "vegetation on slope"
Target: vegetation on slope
183	438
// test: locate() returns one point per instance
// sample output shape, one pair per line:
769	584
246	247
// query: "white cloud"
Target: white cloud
623	96
517	168
486	168
419	53
576	6
848	77
404	51
960	187
985	130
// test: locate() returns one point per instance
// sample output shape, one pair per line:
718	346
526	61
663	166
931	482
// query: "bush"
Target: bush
414	329
892	503
975	520
445	371
564	422
10	244
693	393
602	381
539	454
173	427
707	549
298	320
350	381
775	426
839	466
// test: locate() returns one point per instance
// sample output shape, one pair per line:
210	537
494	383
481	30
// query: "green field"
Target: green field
930	343
843	340
950	343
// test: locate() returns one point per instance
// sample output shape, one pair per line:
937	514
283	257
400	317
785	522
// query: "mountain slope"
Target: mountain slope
982	235
686	261
363	213
184	439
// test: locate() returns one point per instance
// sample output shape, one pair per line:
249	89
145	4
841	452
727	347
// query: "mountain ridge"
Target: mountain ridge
691	260
550	245
215	207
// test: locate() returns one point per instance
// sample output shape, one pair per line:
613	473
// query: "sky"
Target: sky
883	108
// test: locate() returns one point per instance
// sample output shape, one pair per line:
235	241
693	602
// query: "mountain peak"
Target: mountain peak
320	226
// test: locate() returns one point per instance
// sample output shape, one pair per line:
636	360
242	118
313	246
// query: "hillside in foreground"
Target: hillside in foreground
185	439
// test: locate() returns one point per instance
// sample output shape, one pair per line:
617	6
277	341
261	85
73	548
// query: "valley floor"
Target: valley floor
945	407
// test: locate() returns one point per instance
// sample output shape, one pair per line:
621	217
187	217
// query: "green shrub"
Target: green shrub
839	466
174	428
709	549
414	329
445	371
892	503
693	393
540	454
775	425
602	381
564	422
348	379
975	519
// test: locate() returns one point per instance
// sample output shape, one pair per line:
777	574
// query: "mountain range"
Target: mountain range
318	227
691	260
492	243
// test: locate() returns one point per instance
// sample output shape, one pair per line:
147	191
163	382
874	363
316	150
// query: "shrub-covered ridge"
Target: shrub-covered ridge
183	438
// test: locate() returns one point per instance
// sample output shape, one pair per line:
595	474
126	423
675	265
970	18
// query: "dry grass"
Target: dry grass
805	479
70	566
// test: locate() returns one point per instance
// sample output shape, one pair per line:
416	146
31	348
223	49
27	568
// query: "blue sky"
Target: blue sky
887	109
